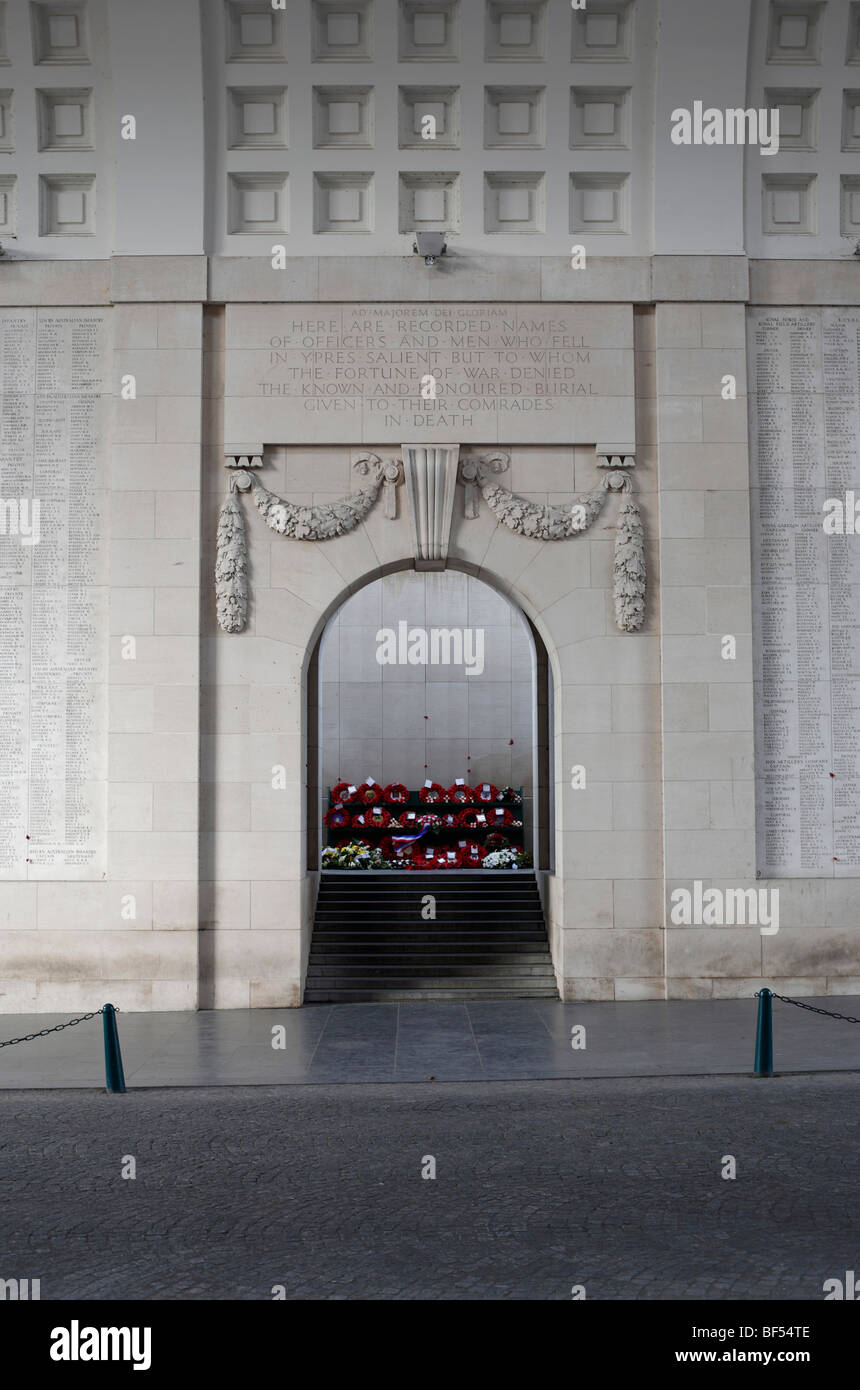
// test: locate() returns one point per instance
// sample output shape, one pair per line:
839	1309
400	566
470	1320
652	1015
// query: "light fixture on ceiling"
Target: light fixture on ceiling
430	245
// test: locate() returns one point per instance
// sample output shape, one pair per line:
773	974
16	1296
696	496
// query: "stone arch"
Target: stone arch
606	863
542	694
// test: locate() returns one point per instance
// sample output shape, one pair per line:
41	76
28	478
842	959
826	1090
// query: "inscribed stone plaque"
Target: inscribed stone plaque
53	600
458	373
805	433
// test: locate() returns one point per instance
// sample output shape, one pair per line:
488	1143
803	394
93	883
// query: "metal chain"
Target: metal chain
58	1028
812	1009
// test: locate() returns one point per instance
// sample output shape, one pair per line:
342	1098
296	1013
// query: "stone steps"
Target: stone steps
370	942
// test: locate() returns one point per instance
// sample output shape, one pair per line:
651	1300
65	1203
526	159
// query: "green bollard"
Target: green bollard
764	1035
114	1078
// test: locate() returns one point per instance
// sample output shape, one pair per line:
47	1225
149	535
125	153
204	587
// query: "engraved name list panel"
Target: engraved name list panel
53	599
805	430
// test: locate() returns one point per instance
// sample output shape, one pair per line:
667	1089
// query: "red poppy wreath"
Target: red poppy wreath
396	794
449	859
472	852
376	817
459	793
494	842
429	795
338	818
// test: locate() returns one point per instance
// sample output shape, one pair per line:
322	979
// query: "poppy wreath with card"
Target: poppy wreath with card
500	815
341	793
472	853
376	817
494	842
459	793
508	794
368	794
338	818
396	794
430	795
450	820
468	819
445	861
486	792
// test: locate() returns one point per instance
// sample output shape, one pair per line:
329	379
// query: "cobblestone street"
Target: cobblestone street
614	1185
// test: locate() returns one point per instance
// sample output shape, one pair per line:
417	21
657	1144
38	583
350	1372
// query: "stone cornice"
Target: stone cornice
220	280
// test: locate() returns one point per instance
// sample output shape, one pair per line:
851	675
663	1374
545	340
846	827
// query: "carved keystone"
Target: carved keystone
431	484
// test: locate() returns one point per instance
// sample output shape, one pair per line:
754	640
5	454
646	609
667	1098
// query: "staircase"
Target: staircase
370	942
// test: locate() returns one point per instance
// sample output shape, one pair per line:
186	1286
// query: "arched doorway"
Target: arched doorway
430	677
376	713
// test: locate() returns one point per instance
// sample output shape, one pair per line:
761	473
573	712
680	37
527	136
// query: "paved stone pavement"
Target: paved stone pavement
614	1185
473	1041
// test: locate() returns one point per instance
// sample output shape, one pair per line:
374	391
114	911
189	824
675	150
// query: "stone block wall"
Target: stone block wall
131	936
208	897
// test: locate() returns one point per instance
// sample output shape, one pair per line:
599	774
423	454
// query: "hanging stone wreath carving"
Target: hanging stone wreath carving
231	568
518	514
556	523
299	522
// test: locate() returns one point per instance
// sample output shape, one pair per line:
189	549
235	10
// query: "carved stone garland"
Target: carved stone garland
548	523
544	523
300	522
